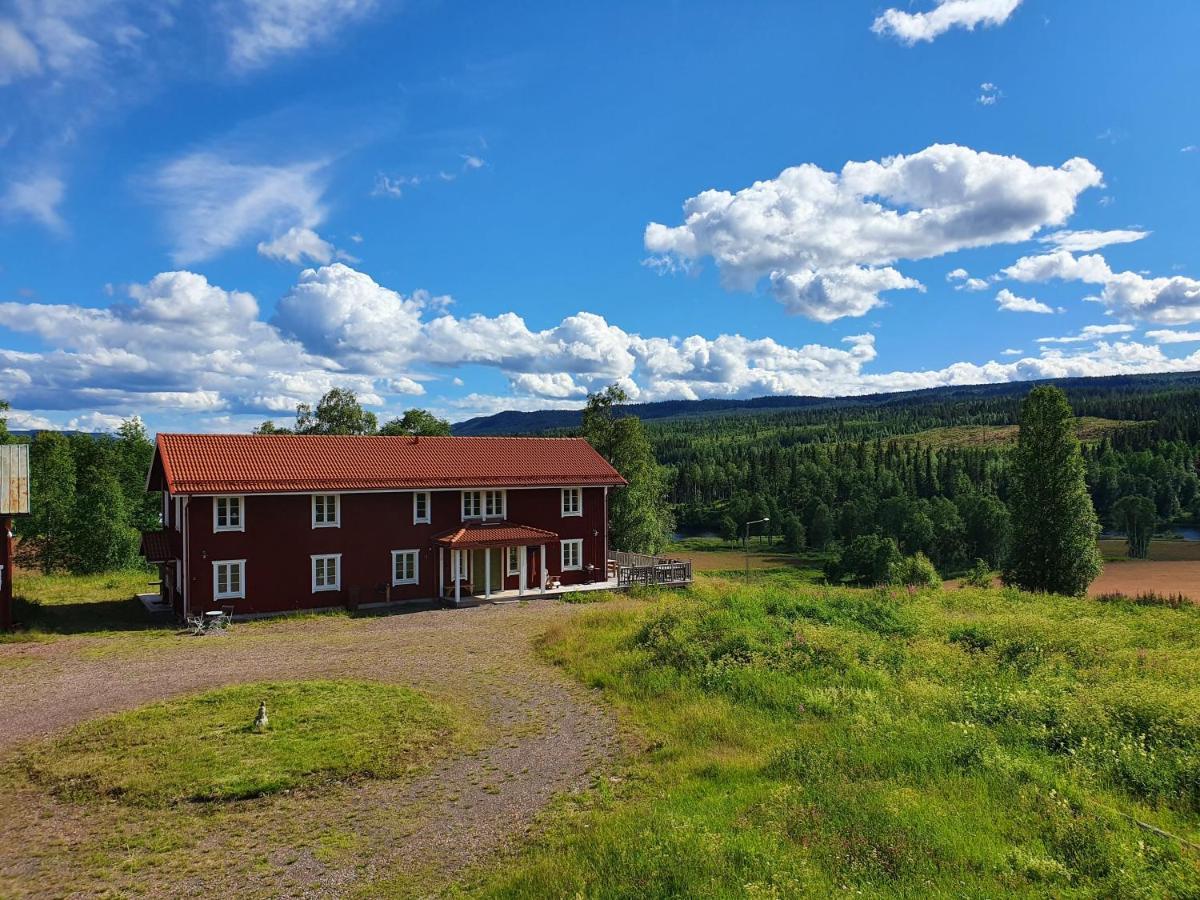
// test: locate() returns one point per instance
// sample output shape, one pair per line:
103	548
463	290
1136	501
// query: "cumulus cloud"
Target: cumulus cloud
962	281
179	346
1089	333
297	245
1167	336
213	203
1171	300
989	94
261	30
911	28
1010	302
826	242
1011	351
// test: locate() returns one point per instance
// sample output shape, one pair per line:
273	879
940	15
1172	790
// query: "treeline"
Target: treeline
824	477
89	500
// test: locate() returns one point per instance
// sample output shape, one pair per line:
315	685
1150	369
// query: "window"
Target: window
405	567
471	505
572	502
326	511
229	579
227	514
513	557
572	555
494	504
327	573
420	507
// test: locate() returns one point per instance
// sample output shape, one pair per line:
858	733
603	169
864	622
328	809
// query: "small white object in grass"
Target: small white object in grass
260	721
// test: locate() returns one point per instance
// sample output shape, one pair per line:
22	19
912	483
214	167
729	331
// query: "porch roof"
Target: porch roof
156	546
494	534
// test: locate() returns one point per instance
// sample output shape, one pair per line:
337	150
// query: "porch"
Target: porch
486	558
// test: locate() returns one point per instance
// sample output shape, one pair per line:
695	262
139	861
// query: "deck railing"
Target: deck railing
638	568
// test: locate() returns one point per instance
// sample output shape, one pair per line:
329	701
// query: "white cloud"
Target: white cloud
472	162
1012	351
213	204
1010	302
989	94
826	242
1089	333
1190	148
179	346
1170	300
964	281
1085	241
1167	336
911	28
261	30
19	58
38	198
296	245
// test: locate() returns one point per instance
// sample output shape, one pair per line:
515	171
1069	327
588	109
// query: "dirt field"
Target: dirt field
545	736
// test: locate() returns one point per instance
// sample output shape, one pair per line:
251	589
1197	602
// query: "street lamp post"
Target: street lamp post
746	544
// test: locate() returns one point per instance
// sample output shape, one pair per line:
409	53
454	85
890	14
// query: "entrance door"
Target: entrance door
479	573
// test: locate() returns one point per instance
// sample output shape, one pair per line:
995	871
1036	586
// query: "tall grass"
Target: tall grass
802	741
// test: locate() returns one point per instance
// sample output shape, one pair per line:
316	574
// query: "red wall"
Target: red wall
279	540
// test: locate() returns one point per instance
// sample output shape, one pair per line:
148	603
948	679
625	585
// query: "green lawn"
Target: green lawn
802	741
204	747
74	604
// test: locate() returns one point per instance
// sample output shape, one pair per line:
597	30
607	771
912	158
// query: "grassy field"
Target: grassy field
715	556
204	747
802	741
1089	429
46	605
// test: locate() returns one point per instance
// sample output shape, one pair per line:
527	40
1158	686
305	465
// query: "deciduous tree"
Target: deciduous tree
417	421
338	412
1137	517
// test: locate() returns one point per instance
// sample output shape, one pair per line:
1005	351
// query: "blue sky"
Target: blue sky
209	213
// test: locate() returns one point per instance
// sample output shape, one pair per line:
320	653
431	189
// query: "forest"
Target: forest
922	469
930	470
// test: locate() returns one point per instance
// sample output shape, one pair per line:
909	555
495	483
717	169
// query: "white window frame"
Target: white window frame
337	585
488	496
577	543
337	511
418	519
512	560
566	508
416	567
240	593
241	505
477	505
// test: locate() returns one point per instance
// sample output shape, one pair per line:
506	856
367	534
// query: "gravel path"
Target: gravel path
546	736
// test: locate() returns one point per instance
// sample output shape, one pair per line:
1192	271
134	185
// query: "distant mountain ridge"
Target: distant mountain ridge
540	421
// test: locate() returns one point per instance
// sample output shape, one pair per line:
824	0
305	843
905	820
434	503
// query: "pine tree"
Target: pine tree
1054	524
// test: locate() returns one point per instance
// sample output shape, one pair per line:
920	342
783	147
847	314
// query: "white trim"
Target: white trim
337	585
508	561
563	545
503	514
240	593
428	517
571	542
404	490
477	506
241	507
577	493
416	556
337	510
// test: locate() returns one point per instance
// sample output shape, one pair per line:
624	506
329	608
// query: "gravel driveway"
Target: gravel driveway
547	736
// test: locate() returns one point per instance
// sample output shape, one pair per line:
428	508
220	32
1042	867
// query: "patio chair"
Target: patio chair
226	617
196	625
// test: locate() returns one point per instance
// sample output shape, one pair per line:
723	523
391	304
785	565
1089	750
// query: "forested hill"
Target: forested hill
1078	389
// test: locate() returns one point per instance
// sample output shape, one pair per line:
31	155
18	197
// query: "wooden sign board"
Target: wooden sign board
14	480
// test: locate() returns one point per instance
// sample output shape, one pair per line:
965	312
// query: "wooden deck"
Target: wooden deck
638	569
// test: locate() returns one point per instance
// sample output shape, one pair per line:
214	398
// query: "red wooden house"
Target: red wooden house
273	523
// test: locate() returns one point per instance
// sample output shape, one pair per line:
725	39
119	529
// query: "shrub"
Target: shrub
867	560
915	571
980	575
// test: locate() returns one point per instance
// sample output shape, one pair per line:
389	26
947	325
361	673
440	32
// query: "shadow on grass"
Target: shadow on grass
86	616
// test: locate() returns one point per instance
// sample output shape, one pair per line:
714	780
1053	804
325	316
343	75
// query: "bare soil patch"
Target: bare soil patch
1133	577
543	736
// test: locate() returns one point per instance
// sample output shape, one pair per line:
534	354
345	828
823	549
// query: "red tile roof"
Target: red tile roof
270	463
156	546
494	534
